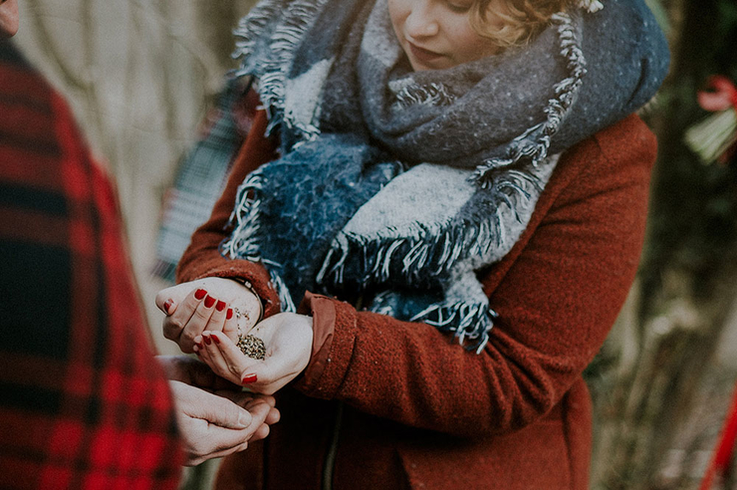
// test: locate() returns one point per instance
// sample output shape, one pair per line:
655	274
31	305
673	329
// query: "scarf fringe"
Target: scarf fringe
378	252
435	94
244	242
590	6
438	246
271	70
253	25
470	323
287	304
532	146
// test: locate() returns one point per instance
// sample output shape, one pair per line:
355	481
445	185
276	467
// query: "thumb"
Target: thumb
216	409
227	414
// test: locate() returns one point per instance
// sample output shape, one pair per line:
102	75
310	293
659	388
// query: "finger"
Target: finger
238	365
221	412
270	400
261	433
204	354
274	416
259	411
174	296
198	321
165	300
220	438
169	306
218	454
224	438
174	324
210	354
224	368
217	442
250	400
218	317
230	328
258	402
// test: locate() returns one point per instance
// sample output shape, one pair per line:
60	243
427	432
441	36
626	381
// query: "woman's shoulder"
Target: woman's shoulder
629	137
625	150
618	158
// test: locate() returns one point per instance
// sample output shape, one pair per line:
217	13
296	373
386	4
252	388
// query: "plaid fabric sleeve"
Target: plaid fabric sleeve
83	405
202	174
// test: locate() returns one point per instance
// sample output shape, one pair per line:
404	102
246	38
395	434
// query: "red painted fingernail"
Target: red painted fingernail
207	339
220	306
216	339
167	305
229	314
209	301
199	294
248	379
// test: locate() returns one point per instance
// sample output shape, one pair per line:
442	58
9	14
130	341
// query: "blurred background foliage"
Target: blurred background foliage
662	383
140	75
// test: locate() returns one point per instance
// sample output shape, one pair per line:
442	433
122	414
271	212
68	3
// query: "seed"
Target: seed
252	346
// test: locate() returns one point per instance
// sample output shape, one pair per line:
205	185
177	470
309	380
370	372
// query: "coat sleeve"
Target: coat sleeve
557	293
202	258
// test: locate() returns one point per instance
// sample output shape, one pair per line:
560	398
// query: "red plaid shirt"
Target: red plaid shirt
83	405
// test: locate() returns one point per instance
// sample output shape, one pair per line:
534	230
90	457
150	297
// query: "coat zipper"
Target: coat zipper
328	470
329	467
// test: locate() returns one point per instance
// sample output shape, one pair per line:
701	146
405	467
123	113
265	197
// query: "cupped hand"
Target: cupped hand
288	341
214	425
213	303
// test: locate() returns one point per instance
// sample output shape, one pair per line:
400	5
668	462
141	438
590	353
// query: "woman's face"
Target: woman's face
8	18
437	34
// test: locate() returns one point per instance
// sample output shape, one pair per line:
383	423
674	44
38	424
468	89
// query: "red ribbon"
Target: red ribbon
724	449
721	94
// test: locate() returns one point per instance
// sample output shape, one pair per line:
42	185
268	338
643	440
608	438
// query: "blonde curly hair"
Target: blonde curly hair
522	19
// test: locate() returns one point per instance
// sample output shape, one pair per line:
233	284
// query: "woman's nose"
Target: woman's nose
422	21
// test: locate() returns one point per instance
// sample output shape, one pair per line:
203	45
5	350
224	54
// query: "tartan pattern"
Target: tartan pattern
82	403
202	174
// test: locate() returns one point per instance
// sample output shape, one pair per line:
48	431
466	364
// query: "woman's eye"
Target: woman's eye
458	7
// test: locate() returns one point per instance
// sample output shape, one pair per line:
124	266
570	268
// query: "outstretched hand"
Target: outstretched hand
206	304
288	341
217	424
215	418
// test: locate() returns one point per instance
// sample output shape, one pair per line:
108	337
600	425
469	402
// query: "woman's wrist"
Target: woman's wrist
249	310
322	312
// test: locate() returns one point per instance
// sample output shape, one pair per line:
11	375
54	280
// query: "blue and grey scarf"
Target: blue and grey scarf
399	186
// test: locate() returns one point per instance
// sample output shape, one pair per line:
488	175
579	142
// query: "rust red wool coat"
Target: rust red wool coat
83	404
386	404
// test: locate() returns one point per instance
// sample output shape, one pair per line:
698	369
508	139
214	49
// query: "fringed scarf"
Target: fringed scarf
399	186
